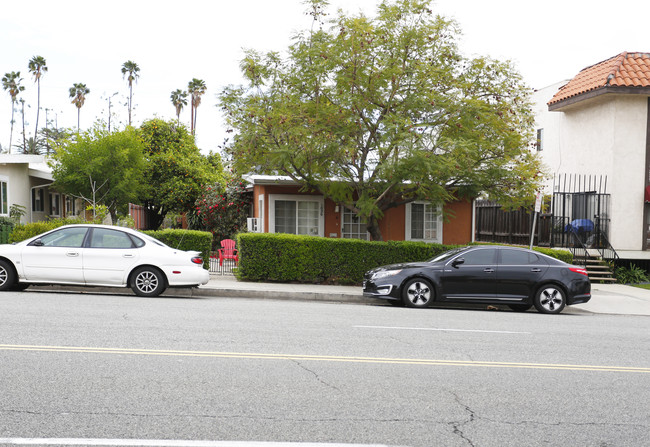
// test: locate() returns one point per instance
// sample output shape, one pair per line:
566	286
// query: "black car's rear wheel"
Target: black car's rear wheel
520	307
550	299
417	292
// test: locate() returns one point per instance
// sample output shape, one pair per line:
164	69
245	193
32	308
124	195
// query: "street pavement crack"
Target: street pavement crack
459	425
318	378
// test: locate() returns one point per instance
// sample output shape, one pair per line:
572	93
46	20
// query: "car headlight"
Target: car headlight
384	274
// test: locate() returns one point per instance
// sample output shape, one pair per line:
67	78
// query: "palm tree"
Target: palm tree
132	69
196	88
11	83
78	94
179	100
37	66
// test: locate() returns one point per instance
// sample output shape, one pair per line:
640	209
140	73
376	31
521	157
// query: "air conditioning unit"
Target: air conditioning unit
253	224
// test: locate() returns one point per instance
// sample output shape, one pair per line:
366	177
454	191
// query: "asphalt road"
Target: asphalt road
107	367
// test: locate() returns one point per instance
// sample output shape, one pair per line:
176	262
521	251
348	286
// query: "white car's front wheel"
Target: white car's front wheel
148	281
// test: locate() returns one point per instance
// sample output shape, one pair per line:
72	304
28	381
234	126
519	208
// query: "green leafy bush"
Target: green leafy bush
307	259
6	227
630	275
187	240
26	231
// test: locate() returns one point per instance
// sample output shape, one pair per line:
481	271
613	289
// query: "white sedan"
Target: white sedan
99	255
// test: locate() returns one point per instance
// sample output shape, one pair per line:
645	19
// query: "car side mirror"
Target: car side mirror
37	243
458	261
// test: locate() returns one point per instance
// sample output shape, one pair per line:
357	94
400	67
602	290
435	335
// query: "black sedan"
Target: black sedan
517	277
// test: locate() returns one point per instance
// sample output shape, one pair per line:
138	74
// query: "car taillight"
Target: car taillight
197	260
581	270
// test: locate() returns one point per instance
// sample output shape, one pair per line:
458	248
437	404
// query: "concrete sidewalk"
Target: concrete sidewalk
606	298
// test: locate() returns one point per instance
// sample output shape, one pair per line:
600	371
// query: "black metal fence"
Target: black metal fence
221	267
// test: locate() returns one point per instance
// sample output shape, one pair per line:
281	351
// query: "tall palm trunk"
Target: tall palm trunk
38	107
11	132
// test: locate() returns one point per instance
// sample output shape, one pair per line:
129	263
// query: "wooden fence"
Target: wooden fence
494	224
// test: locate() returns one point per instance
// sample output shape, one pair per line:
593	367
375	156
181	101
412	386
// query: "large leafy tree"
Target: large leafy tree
377	112
78	93
11	84
130	71
175	172
101	167
37	67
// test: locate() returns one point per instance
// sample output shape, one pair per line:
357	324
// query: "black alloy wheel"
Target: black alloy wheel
550	299
417	293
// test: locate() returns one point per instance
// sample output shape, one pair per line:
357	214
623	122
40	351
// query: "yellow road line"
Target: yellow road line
322	358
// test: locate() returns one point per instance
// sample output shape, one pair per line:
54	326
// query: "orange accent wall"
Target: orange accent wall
457	229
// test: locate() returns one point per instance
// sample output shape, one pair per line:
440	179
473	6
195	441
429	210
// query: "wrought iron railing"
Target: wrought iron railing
577	249
605	249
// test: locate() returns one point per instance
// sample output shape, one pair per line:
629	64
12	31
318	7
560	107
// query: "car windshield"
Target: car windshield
447	255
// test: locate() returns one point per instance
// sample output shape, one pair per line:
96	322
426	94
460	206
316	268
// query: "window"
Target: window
104	238
67	237
479	257
540	139
37	200
55	204
4	200
352	227
423	222
69	206
296	214
518	257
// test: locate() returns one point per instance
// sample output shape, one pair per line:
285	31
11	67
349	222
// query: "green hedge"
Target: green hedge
307	259
26	231
186	240
6	227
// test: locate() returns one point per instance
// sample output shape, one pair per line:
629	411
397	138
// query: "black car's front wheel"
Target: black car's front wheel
550	299
417	292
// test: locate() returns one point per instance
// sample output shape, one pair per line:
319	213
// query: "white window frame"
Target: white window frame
70	206
38	193
55	197
297	198
345	211
407	229
260	217
3	199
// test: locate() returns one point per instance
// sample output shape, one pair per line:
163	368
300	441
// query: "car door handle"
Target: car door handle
488	270
72	254
127	255
535	270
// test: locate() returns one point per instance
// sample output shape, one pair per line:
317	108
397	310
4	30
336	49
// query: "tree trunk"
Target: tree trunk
373	228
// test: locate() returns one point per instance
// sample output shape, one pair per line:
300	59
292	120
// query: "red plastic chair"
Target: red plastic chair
228	251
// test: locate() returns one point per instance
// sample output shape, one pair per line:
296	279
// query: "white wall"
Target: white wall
602	136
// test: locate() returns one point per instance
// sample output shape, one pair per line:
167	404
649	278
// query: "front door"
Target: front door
474	278
55	257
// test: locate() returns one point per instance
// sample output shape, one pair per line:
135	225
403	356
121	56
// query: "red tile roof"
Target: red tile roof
625	70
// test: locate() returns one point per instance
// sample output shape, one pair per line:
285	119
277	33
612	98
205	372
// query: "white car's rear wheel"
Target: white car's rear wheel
148	281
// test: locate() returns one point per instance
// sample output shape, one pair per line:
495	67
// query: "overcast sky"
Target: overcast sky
175	41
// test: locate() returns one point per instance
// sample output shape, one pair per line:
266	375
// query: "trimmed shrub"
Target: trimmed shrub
186	240
308	259
26	231
6	227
